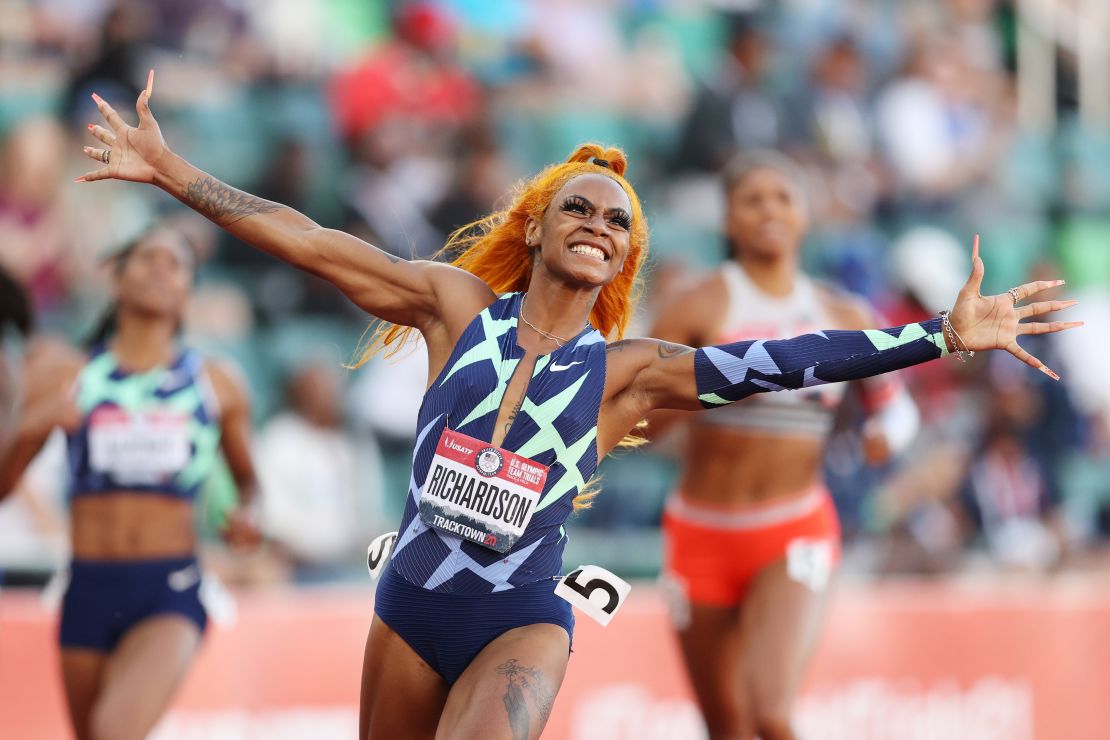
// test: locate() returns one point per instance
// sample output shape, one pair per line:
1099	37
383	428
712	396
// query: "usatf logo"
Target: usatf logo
490	461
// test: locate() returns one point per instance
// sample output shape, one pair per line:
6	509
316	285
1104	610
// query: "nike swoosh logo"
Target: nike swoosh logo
557	368
184	579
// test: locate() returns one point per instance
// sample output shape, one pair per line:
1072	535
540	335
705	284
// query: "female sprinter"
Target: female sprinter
751	534
525	395
144	418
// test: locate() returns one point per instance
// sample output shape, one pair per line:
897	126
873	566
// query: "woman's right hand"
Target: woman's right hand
130	153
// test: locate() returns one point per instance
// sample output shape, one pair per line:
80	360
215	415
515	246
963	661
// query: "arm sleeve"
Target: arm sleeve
731	372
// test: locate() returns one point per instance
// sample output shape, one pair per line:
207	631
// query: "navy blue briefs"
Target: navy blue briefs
106	598
447	630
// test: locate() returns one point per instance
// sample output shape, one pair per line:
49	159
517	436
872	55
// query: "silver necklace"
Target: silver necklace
558	340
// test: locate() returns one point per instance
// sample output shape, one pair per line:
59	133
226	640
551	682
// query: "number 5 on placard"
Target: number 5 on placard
583	582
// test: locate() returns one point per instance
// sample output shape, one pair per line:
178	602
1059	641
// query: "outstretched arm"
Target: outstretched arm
673	376
48	402
731	372
390	288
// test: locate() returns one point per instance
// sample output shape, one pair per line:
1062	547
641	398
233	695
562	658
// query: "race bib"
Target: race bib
810	562
581	585
135	447
479	492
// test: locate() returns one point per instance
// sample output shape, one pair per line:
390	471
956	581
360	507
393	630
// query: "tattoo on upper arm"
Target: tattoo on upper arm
668	350
617	346
525	682
224	203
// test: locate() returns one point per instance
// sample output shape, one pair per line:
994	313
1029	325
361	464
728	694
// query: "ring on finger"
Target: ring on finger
104	156
1012	291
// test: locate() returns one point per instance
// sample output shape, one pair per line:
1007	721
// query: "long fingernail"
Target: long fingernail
89	127
1060	282
97	98
1044	369
80	179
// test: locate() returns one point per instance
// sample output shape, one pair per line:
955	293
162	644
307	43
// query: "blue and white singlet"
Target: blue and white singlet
556	426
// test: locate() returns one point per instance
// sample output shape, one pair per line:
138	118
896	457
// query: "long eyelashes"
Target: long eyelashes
578	204
622	219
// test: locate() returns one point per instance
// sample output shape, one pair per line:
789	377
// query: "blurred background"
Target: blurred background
917	124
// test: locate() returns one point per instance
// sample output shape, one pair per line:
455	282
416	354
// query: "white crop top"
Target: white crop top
753	314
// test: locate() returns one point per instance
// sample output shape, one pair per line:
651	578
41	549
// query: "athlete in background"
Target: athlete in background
751	533
145	418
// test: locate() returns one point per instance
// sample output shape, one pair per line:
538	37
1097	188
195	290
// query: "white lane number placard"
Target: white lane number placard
594	591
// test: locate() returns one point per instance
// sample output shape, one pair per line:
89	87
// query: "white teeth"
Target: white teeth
588	251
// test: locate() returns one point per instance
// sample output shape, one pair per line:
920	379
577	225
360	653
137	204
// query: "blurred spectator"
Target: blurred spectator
385	399
412	77
1008	496
482	176
936	123
321	487
110	61
733	108
832	114
399	110
37	249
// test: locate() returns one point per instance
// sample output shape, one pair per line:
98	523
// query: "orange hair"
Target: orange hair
493	249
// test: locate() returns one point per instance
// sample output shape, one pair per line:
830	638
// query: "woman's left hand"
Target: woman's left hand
994	322
242	529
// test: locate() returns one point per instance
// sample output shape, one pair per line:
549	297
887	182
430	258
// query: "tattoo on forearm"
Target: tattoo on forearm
525	682
668	350
223	203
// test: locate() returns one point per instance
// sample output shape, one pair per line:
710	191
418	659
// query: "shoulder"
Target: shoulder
704	291
459	295
692	313
461	284
52	361
228	382
849	310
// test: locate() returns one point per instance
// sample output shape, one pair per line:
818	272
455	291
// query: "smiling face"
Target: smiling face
584	234
154	277
766	216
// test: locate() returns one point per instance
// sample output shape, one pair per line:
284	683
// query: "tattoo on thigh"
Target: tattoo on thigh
525	683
